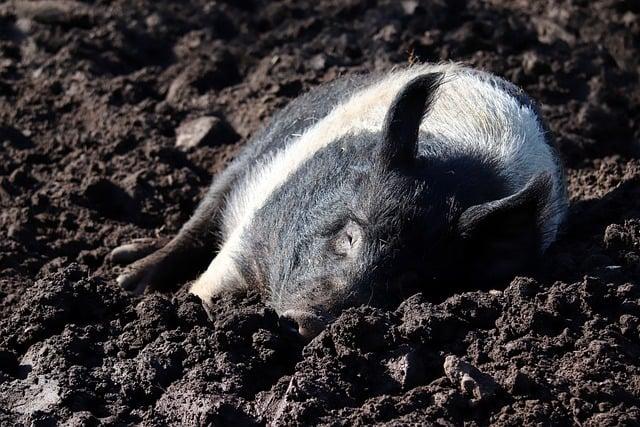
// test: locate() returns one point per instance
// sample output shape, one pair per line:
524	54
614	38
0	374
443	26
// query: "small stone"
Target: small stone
408	369
318	62
532	64
409	7
629	19
604	406
470	380
176	88
207	130
65	12
153	21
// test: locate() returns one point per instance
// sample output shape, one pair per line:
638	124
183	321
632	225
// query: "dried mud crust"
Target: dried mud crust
91	97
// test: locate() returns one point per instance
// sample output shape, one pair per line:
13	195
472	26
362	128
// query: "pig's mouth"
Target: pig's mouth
303	325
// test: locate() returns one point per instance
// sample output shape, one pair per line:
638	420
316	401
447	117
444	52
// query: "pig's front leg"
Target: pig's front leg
159	266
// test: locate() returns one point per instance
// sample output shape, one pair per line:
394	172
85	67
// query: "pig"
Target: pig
427	177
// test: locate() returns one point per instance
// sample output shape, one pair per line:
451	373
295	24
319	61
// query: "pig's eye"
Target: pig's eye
348	239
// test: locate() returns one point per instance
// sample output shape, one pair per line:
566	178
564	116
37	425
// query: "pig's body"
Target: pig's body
482	140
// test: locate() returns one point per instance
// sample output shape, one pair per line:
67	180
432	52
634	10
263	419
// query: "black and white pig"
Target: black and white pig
434	175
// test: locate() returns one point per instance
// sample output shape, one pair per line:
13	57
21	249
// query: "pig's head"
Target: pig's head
358	225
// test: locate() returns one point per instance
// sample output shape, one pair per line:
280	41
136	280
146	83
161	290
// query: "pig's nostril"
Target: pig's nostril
288	325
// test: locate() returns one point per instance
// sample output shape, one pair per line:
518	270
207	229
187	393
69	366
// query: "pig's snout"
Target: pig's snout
301	323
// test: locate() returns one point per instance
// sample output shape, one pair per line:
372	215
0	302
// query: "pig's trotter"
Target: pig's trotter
135	250
148	272
163	269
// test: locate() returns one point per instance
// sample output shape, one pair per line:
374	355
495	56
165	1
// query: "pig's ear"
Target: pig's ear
502	237
402	122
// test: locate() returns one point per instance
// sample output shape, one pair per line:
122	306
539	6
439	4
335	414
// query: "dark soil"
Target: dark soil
91	95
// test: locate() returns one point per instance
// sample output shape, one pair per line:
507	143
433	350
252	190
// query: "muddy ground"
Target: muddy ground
91	95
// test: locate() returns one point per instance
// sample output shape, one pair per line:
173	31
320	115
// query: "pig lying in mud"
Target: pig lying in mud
430	176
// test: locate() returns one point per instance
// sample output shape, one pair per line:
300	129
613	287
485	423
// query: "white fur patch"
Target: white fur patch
469	113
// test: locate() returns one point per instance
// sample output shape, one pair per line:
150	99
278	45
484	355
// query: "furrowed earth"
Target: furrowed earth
94	96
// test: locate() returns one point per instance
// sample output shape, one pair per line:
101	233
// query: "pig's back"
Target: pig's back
474	113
